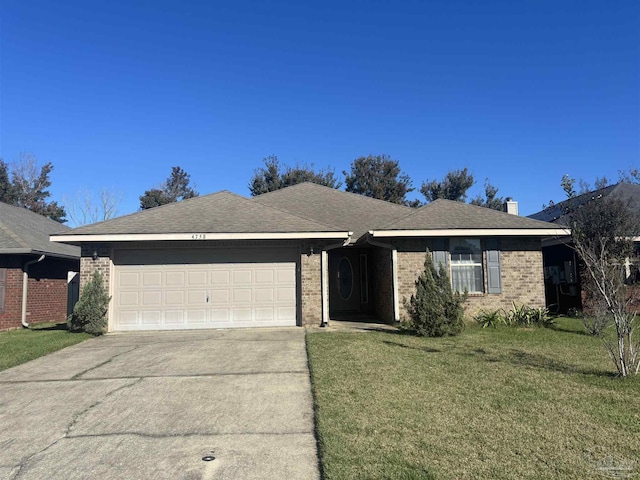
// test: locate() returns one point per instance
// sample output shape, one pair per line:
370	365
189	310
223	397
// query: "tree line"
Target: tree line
376	176
26	184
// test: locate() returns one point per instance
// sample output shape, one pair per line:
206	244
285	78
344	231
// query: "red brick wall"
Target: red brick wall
46	291
10	317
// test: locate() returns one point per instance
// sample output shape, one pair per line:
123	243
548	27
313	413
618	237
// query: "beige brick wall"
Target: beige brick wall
88	265
311	288
521	274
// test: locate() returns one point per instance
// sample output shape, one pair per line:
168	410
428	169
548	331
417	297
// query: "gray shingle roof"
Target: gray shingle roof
345	211
22	231
627	192
222	212
449	215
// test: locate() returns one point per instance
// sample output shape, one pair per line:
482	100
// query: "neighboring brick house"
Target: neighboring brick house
562	283
25	247
301	256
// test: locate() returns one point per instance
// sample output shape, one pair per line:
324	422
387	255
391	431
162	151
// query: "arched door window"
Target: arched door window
345	278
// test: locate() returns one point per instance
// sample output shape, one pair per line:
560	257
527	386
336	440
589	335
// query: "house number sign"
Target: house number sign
198	236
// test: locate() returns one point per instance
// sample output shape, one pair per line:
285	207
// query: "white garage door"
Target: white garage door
164	290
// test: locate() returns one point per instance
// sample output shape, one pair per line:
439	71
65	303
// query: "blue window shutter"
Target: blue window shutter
440	253
493	266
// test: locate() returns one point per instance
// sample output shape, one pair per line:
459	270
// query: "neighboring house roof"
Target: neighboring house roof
25	232
344	210
222	215
557	213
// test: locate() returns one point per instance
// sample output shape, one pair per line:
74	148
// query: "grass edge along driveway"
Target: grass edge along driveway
23	345
490	403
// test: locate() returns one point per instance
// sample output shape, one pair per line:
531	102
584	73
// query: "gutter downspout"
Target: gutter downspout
394	272
324	277
25	282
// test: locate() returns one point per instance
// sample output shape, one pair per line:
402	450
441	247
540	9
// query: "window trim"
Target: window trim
480	264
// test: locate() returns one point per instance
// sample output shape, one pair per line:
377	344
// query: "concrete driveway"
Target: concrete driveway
153	405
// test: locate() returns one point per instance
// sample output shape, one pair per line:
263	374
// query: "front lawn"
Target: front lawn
491	403
19	346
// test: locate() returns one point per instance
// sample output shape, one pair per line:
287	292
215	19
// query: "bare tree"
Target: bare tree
602	231
87	206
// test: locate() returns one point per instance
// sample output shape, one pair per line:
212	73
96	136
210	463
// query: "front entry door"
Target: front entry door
345	294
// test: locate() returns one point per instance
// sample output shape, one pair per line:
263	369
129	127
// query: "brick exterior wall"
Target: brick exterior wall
88	265
46	290
11	316
311	288
520	268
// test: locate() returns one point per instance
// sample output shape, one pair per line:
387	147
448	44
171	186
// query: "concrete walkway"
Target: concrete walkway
154	405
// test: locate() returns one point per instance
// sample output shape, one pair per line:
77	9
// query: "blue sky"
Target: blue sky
115	93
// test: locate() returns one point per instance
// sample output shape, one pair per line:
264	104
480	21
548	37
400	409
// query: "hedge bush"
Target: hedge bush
90	313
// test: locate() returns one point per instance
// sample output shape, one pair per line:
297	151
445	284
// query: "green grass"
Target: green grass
491	403
19	346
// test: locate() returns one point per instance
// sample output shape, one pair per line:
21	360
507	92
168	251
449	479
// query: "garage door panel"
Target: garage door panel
128	318
152	298
239	315
241	295
285	313
242	277
264	276
151	279
220	277
197	278
174	317
286	276
265	314
175	279
129	299
219	315
205	289
195	317
174	297
286	294
129	279
264	295
151	317
196	297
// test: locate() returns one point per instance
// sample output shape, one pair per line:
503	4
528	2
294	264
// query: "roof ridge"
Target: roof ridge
332	227
360	195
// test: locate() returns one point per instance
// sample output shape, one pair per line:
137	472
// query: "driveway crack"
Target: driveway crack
74	420
111	359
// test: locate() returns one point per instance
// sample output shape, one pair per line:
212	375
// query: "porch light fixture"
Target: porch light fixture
310	250
94	255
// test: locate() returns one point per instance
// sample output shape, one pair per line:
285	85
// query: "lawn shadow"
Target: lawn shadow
57	326
526	359
402	345
562	329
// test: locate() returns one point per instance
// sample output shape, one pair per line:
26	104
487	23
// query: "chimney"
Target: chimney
510	206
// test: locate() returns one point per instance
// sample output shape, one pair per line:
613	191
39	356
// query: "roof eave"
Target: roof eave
474	232
77	239
30	251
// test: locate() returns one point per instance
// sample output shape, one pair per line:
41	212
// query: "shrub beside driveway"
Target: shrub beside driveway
491	403
19	346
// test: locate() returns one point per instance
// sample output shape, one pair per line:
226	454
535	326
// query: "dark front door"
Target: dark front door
348	281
